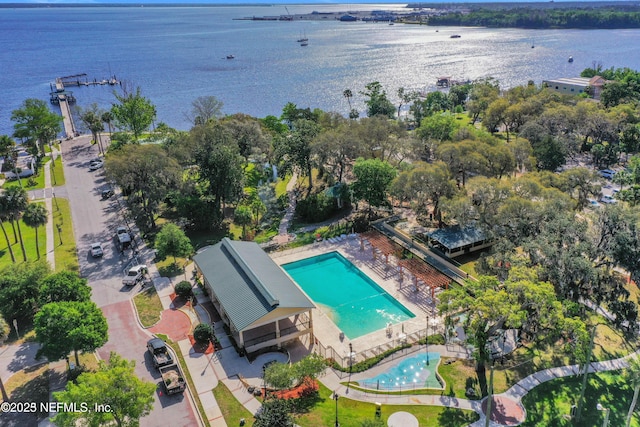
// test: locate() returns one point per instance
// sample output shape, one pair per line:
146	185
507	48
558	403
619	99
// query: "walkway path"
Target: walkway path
508	410
283	231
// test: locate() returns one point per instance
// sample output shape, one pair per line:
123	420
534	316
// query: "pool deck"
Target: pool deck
419	303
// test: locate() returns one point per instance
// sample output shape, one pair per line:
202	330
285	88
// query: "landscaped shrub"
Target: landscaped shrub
437	339
184	289
315	208
202	333
369	363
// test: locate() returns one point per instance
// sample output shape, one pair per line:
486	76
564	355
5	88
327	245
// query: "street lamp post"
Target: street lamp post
350	365
605	423
59	227
426	339
335	397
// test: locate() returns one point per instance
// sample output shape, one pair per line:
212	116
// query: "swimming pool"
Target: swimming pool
355	303
407	374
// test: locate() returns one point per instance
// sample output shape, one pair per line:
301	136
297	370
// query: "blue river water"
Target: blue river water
175	54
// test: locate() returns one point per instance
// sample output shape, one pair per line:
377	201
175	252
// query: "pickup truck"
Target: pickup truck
124	238
172	379
134	275
159	352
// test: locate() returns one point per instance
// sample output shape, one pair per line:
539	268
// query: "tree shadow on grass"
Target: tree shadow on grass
452	417
171	270
308	399
35	391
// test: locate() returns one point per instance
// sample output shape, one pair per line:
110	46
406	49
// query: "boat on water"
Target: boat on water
571	59
455	36
230	57
304	44
303	38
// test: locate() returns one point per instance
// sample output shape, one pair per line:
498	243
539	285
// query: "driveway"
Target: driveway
95	220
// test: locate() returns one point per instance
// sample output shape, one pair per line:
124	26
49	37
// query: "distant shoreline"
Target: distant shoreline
416	5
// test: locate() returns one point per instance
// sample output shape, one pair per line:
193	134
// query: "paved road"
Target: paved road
95	220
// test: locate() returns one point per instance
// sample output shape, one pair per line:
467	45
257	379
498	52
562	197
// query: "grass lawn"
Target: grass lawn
57	173
30	385
468	263
232	410
168	268
29	239
549	403
281	185
351	413
201	238
65	244
148	306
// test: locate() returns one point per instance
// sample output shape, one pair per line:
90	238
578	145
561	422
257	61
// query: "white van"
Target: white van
607	173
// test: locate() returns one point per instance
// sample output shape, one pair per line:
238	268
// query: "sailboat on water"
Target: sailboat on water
303	39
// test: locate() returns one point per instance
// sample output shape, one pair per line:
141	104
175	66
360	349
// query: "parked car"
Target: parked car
96	250
123	238
96	166
607	173
106	194
135	275
609	200
593	203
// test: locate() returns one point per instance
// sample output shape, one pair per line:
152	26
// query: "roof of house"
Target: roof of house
247	282
575	81
579	81
456	237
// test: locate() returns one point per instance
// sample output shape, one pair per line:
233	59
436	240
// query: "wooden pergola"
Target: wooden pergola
425	273
380	243
420	270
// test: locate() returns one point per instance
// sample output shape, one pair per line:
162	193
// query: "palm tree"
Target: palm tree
348	94
107	117
17	202
4	216
633	378
34	216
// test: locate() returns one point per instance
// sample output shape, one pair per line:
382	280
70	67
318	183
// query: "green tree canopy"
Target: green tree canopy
242	216
63	327
114	384
92	119
274	413
219	163
146	174
63	286
35	125
4	330
171	241
377	101
294	150
522	302
19	288
373	178
133	112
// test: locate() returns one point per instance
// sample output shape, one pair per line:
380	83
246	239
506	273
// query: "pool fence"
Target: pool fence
408	343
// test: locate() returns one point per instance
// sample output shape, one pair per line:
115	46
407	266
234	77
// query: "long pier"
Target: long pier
64	98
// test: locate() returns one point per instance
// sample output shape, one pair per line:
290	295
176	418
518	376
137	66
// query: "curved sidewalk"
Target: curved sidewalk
512	410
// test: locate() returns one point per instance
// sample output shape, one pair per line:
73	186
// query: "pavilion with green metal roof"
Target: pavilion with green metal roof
259	302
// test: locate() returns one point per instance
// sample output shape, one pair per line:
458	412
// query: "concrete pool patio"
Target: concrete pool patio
386	276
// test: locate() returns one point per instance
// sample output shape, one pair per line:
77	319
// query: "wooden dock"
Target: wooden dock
64	99
67	118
